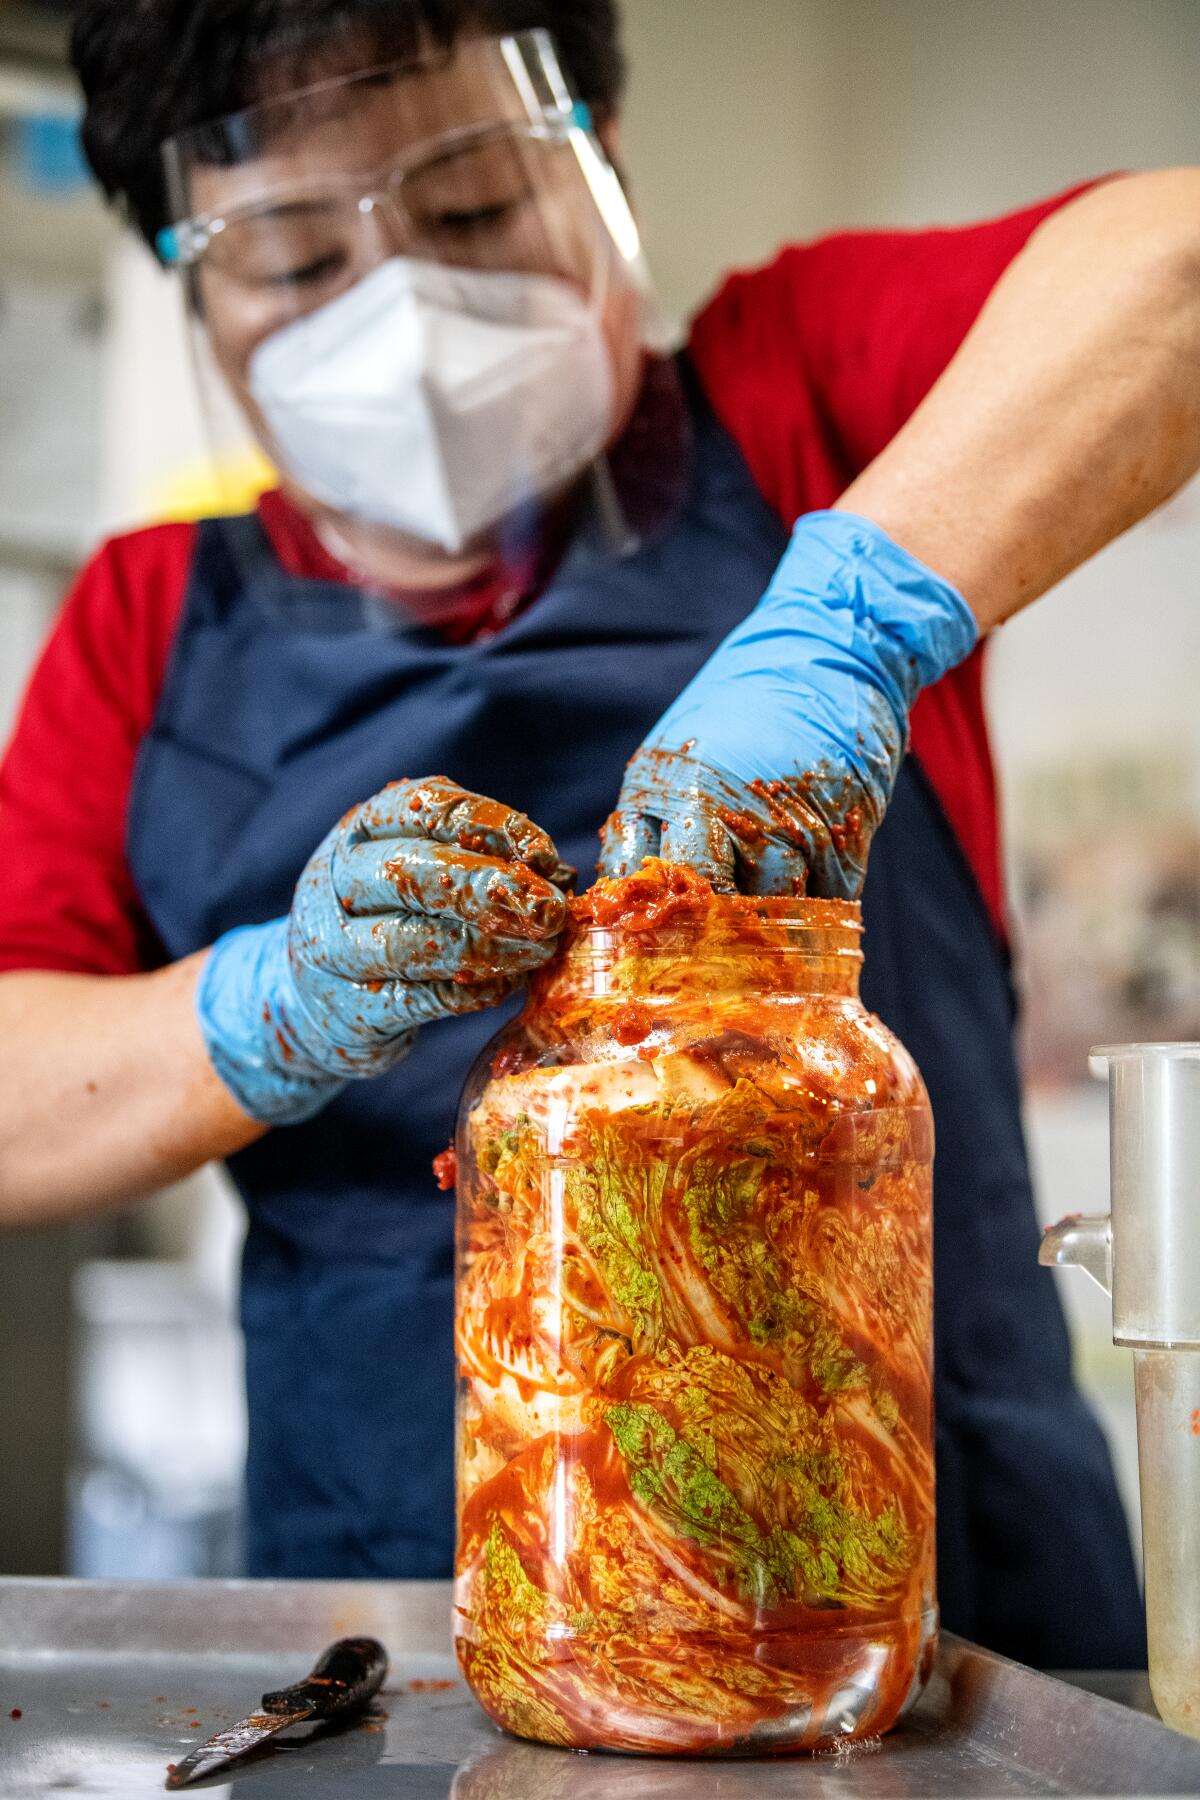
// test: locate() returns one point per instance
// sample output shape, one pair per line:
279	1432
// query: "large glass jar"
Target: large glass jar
695	1434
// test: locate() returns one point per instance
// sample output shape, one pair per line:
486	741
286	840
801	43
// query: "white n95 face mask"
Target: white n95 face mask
437	400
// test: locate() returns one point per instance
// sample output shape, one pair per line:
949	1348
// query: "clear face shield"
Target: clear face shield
424	288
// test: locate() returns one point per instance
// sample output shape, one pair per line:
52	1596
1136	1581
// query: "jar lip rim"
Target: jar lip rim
799	911
818	914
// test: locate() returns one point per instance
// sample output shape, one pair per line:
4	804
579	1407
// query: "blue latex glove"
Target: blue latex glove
423	903
773	768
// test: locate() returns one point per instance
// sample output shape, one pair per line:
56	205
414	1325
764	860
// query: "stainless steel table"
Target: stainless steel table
115	1680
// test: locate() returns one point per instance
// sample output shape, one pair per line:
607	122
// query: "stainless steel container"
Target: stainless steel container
1146	1253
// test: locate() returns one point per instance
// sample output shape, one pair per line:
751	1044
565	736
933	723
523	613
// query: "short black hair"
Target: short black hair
152	68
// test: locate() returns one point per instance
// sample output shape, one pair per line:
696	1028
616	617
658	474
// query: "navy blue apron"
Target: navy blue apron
288	700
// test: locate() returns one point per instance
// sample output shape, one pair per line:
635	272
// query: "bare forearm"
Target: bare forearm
1070	412
107	1091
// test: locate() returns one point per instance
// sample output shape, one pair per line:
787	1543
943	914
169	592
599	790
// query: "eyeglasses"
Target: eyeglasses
470	198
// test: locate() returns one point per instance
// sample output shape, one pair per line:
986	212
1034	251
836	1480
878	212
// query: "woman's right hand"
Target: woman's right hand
424	902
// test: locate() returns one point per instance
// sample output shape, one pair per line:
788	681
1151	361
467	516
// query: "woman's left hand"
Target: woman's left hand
774	767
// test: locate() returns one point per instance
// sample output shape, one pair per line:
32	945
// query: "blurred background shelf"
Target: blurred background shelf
33	38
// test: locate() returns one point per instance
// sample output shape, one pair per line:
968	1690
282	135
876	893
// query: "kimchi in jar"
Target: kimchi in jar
695	1432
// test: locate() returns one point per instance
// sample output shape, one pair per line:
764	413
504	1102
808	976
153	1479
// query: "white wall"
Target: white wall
958	108
753	123
726	131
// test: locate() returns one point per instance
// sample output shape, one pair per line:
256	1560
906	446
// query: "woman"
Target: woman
508	537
